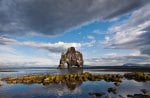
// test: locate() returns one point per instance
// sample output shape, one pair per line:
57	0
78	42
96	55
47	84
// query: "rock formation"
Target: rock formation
72	58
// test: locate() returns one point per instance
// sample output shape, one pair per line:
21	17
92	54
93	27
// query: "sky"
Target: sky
33	33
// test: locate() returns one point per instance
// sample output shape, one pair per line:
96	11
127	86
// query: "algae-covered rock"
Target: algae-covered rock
59	78
46	79
138	76
79	78
64	78
49	79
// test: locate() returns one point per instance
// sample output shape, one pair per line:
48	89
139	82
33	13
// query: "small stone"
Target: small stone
144	91
111	89
117	83
97	94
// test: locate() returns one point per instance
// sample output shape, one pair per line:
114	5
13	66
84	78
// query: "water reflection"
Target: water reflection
88	89
21	72
63	88
71	71
73	85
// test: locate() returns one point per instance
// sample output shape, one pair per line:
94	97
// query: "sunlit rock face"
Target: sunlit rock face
72	58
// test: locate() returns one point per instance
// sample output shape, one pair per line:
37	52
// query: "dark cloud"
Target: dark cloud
144	42
123	7
51	17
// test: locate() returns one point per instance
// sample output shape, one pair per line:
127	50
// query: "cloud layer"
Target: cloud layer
119	59
51	17
133	33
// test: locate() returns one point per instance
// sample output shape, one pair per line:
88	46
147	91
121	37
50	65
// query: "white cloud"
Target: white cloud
91	37
132	33
52	47
12	57
115	59
99	32
16	60
89	44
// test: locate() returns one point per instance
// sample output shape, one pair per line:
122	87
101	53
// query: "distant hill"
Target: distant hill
132	64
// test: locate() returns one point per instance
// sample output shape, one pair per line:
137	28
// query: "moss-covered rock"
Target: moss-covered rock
138	76
46	79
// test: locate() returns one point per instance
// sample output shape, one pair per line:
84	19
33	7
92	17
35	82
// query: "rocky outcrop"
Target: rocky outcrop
62	78
76	78
72	58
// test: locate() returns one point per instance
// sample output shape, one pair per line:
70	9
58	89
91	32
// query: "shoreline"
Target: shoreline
98	68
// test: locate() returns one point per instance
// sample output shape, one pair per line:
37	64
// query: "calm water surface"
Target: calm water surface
86	89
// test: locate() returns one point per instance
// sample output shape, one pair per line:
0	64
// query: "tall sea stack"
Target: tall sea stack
72	58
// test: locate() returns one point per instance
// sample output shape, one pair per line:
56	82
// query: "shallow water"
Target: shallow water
21	71
74	90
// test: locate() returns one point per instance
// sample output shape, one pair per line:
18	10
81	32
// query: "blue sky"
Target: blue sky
108	33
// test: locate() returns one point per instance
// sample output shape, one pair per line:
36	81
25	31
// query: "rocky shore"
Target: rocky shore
47	79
